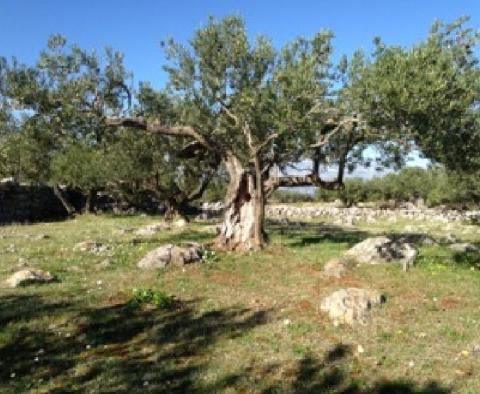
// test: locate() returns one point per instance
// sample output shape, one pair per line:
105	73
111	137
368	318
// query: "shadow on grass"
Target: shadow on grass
328	376
176	238
117	348
468	259
301	234
125	349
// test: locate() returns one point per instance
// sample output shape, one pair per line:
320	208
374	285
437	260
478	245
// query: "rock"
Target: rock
102	265
38	236
153	228
335	268
172	255
28	276
379	250
180	223
351	306
414	238
338	203
123	231
91	246
450	238
22	262
463	247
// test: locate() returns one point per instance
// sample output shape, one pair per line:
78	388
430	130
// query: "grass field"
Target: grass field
237	323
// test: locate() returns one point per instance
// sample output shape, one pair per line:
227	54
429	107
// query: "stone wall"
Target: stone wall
27	203
23	203
353	215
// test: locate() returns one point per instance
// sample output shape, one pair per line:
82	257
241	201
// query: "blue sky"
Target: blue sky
137	27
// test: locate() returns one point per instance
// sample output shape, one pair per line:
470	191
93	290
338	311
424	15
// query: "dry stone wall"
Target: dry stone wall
28	203
353	215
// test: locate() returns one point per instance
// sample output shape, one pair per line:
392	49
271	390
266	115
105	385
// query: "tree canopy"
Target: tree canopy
256	109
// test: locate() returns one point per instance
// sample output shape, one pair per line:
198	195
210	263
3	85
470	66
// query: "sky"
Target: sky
137	27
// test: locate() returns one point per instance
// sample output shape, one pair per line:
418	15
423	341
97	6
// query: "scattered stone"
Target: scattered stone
350	306
28	276
37	236
335	268
414	238
91	246
380	250
123	231
450	238
104	264
180	223
360	349
463	247
152	229
22	262
169	254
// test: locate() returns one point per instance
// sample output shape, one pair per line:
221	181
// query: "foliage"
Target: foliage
151	296
426	95
210	256
80	167
62	100
288	196
435	186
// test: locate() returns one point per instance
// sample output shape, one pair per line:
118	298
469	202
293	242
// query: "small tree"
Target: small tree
62	99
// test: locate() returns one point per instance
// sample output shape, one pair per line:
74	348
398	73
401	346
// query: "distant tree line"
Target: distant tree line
434	187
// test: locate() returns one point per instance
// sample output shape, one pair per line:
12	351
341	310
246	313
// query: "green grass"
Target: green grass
237	322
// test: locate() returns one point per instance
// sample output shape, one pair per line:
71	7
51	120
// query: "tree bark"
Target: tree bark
90	201
242	227
66	204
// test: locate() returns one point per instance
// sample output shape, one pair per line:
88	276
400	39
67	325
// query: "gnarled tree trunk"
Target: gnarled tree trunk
242	227
69	208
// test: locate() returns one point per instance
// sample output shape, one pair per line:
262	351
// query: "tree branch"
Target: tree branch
155	127
324	139
305	180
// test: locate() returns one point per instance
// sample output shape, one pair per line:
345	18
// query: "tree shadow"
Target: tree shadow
116	348
124	348
301	233
468	259
328	375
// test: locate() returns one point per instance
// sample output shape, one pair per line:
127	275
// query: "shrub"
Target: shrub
153	297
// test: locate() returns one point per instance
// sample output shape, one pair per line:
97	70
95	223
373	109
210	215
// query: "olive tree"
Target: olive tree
255	108
61	101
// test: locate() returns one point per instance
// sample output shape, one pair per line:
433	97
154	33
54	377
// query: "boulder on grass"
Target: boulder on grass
152	229
176	255
379	250
28	276
91	247
463	247
351	306
335	268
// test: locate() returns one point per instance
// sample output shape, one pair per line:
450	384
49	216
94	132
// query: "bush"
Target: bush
153	297
435	186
